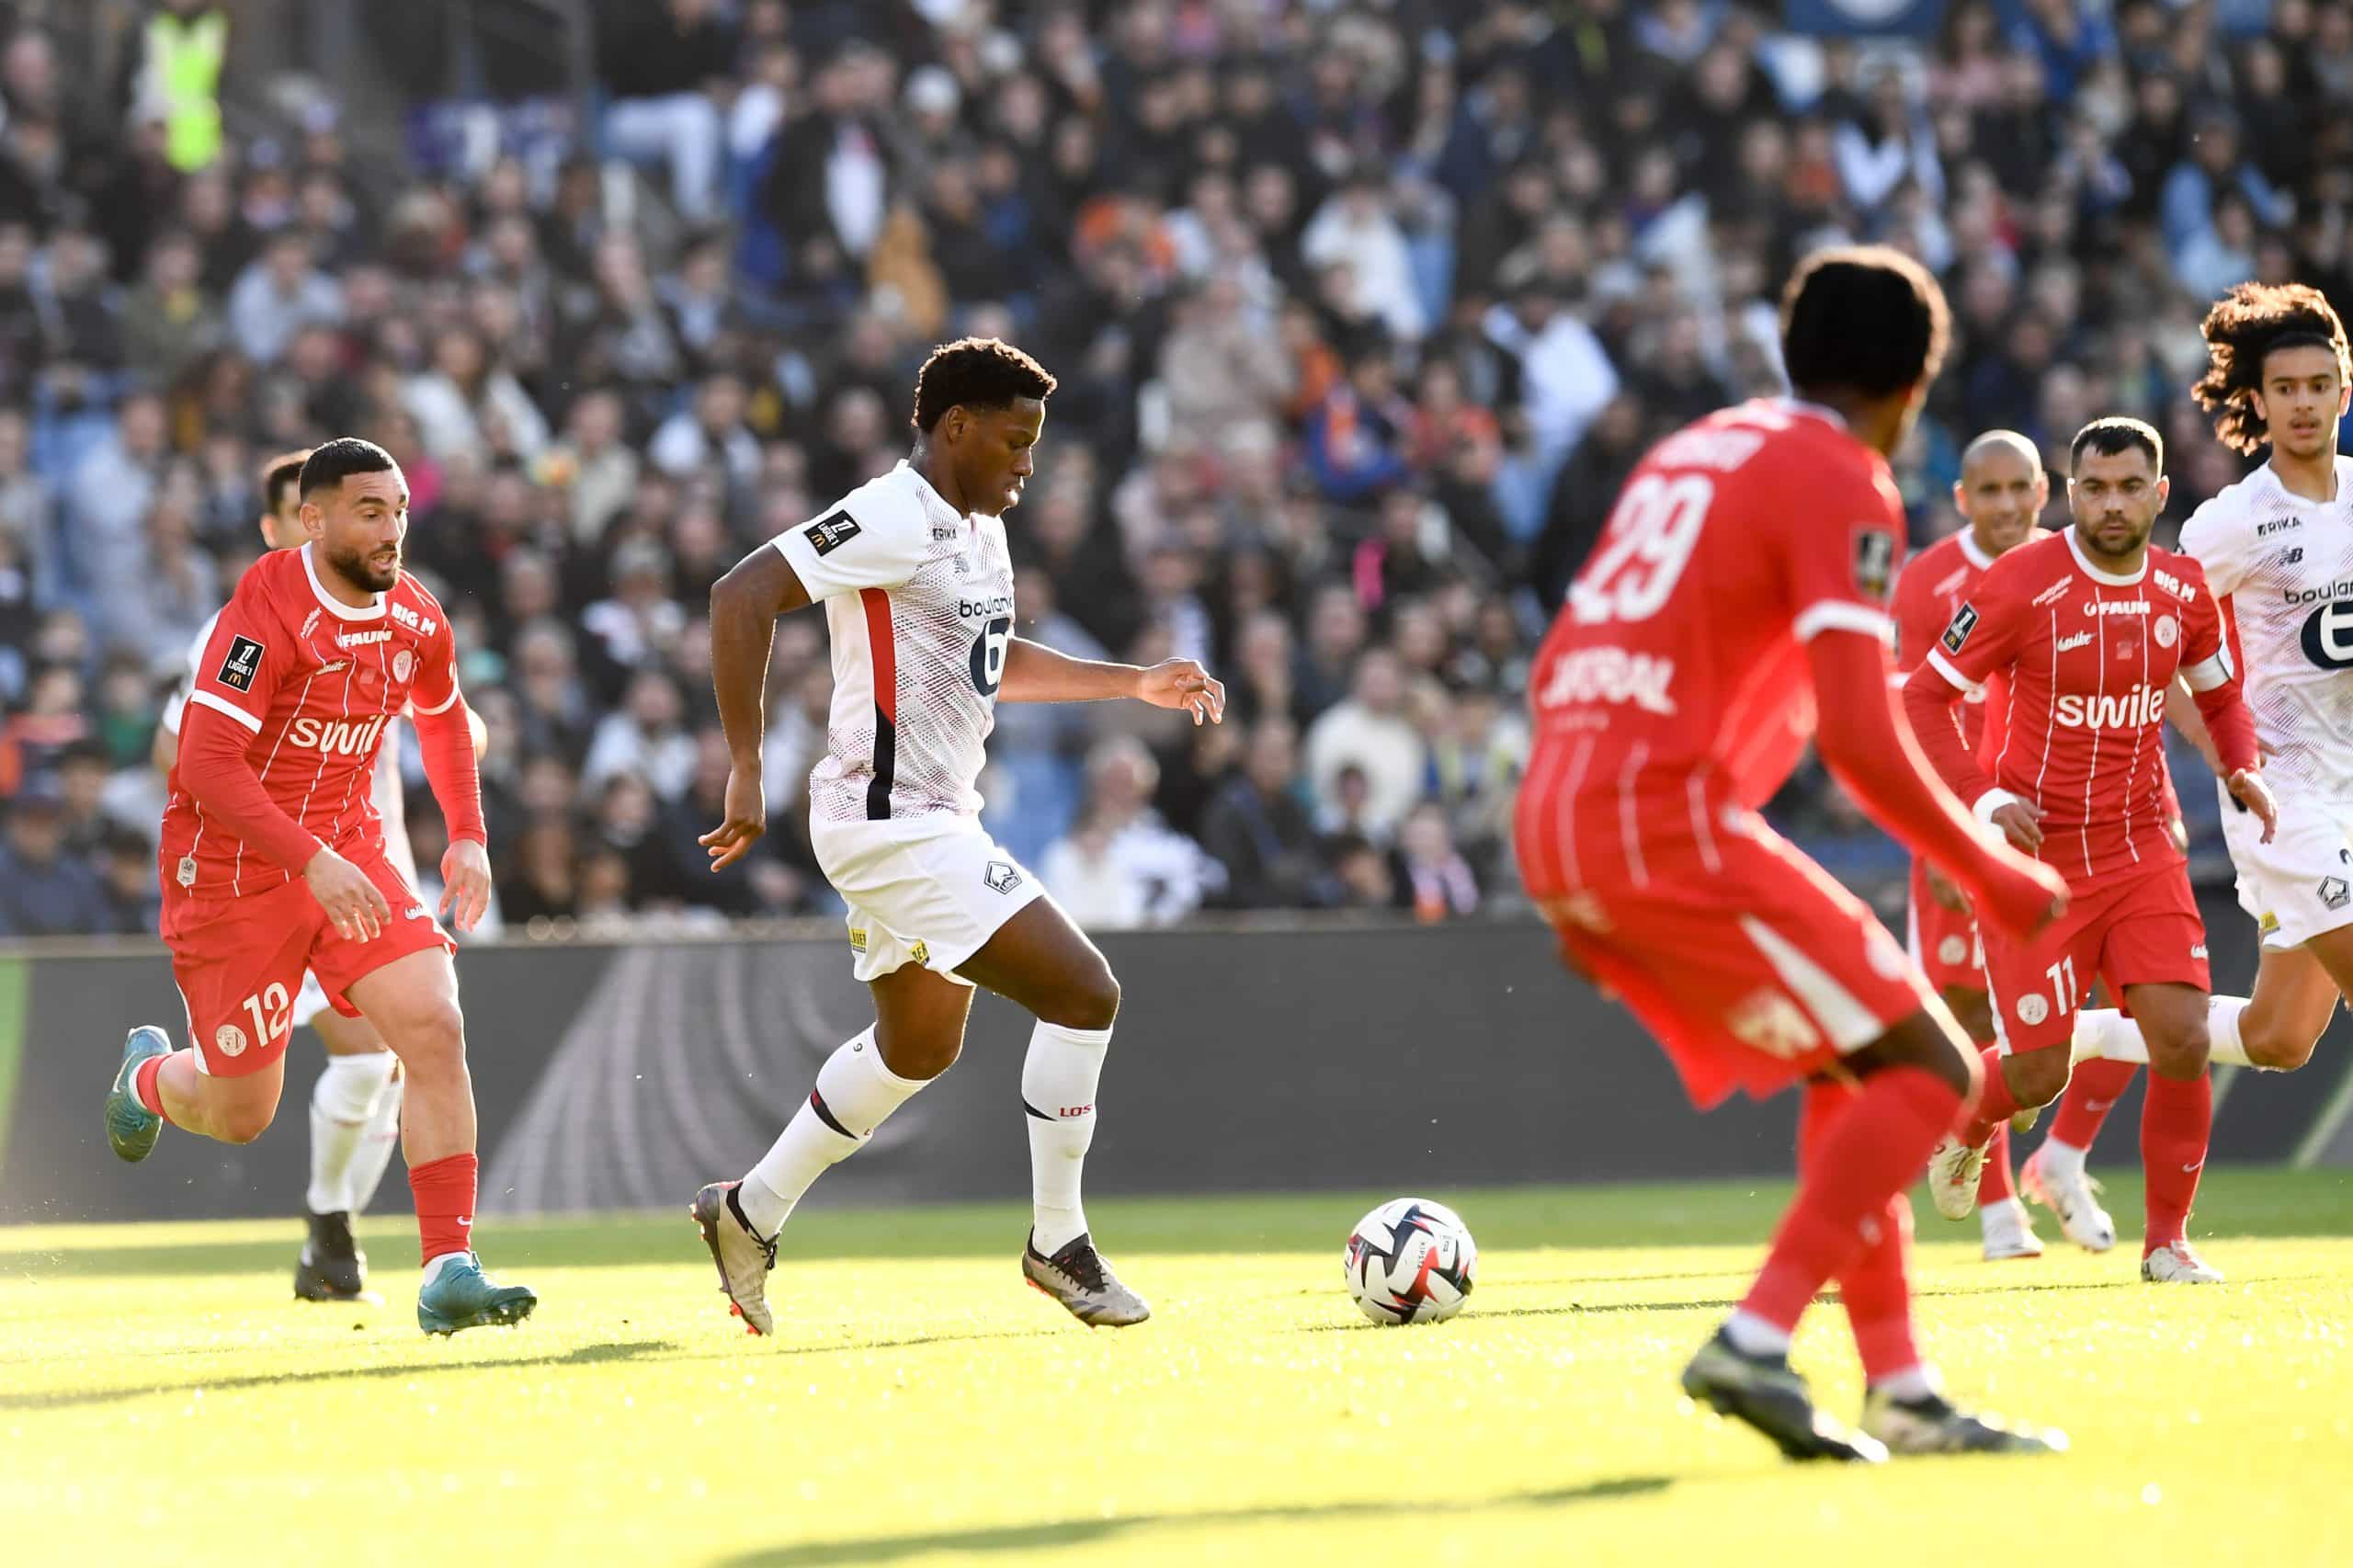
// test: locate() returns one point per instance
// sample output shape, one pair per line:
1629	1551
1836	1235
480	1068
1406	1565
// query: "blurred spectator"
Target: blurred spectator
1369	731
1433	880
45	889
1259	832
280	293
662	65
1121	866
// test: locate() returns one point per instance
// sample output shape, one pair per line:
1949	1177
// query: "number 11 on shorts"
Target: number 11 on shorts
2062	982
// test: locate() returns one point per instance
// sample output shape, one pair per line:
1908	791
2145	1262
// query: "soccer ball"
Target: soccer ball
1411	1261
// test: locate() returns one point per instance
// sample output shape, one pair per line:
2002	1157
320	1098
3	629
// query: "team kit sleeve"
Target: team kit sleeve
244	663
444	737
878	545
176	704
1917	620
1981	640
2212	677
1840	575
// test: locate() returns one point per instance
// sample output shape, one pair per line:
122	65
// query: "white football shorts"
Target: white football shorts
929	890
2301	884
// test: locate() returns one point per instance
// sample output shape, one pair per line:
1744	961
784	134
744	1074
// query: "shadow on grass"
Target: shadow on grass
580	1356
1017	1538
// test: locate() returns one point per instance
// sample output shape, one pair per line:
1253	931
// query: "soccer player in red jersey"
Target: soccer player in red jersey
1738	592
273	860
2087	630
2000	495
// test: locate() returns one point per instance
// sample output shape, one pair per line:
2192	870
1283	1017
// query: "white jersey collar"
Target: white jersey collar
2114	580
1970	550
372	610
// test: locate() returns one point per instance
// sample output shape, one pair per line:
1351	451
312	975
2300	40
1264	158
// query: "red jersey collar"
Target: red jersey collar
374	610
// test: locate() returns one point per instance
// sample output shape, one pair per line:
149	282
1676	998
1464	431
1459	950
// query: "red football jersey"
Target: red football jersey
1677	668
312	680
1936	582
2087	656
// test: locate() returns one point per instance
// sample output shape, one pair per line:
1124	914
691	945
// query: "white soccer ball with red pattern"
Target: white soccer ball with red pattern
1411	1261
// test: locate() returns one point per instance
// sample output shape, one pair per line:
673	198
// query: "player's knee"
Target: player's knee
1091	1000
243	1124
2181	1053
2036	1078
919	1055
431	1037
2279	1051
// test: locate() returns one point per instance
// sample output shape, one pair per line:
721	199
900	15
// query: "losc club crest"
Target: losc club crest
1002	876
2334	893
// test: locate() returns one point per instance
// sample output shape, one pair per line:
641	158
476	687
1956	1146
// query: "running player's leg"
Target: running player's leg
1042	962
348	1151
2001	1218
2032	998
2176	1122
238	965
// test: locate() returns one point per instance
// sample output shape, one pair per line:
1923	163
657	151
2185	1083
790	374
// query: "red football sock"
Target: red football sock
1994	1105
2176	1117
1863	1153
2091	1093
143	1085
1876	1288
1994	1186
444	1190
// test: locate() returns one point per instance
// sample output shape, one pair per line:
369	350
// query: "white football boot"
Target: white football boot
2175	1264
1953	1171
2073	1197
2009	1233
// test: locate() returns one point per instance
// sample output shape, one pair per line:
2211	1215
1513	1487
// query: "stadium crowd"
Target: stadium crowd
1360	310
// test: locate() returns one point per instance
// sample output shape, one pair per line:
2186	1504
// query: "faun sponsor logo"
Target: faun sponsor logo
335	737
362	639
2069	644
2133	710
2116	606
1610	675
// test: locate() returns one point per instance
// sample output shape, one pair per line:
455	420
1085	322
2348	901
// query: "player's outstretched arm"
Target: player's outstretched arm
1877	760
1034	673
447	740
743	608
2221	699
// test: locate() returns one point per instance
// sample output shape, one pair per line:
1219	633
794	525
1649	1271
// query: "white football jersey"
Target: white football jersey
919	605
2286	567
385	787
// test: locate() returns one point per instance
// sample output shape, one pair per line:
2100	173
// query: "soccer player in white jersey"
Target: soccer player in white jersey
2277	548
918	585
356	1105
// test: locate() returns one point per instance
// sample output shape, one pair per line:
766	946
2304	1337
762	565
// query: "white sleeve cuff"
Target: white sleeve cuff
1944	666
440	706
1993	801
222	705
1842	615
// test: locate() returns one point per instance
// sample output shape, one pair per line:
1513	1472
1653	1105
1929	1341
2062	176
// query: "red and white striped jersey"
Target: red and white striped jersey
2087	655
1675	678
919	605
1935	583
383	786
314	682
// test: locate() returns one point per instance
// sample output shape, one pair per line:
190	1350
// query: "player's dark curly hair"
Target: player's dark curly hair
280	474
330	464
979	372
1864	319
2117	433
2244	329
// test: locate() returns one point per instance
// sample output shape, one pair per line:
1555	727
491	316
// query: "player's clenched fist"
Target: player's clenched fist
353	904
1182	683
2249	789
747	818
465	881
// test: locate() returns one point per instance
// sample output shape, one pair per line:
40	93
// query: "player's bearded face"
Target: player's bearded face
2116	497
362	530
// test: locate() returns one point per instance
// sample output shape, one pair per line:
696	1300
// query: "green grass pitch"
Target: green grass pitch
163	1400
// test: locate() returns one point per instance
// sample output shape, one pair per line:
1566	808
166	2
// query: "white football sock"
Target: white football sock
2107	1035
1752	1335
2060	1159
341	1104
1058	1079
854	1093
376	1145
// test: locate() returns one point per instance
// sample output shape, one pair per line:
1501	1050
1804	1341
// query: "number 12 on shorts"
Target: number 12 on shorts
271	1011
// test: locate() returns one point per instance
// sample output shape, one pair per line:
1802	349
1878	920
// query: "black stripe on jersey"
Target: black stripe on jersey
886	761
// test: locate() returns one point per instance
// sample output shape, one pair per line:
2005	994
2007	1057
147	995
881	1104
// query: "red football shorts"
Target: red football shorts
1751	966
1943	941
239	961
2142	931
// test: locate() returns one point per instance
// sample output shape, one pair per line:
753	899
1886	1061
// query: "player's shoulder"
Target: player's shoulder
2177	575
412	594
2040	566
277	582
892	500
2235	510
